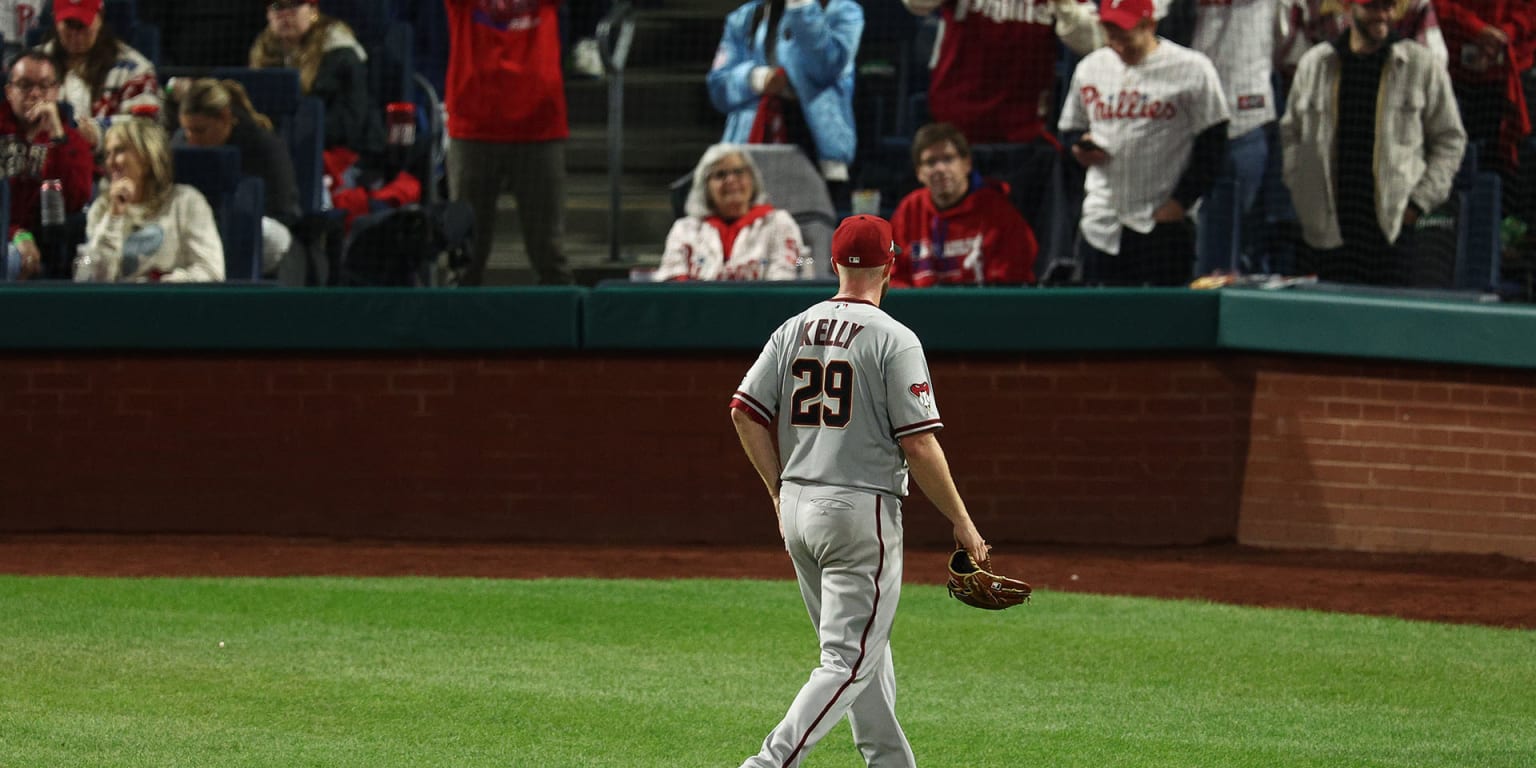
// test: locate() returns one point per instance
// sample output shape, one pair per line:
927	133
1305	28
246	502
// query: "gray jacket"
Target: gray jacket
1419	139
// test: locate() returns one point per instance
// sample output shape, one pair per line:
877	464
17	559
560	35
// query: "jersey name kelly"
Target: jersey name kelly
829	333
1129	105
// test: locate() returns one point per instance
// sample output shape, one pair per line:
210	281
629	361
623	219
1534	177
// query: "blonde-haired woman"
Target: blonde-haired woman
730	231
148	228
216	113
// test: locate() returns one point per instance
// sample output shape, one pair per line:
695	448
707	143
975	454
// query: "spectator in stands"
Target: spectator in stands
1156	135
730	231
105	78
332	66
1492	42
146	227
783	74
958	229
216	113
994	74
1239	37
1309	22
36	145
498	50
1372	141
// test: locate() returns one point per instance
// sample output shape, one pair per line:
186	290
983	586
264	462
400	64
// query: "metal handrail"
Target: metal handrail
615	34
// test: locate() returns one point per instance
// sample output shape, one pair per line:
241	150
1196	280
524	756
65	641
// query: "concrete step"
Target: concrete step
652	98
680	39
645	218
651	151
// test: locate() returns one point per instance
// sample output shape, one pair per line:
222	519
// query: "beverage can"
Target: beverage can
51	200
400	119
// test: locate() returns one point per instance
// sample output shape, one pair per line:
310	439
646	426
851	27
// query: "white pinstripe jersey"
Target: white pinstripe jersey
844	381
1146	117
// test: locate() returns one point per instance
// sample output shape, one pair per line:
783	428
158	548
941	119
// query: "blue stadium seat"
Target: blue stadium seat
237	201
7	266
1479	249
305	138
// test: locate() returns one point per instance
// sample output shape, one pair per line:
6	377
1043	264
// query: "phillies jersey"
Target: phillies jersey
845	381
992	63
981	240
1239	38
763	245
1146	117
504	82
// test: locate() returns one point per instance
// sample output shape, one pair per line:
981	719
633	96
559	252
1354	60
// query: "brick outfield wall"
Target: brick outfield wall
1146	450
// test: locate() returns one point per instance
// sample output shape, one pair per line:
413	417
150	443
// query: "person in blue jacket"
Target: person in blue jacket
784	74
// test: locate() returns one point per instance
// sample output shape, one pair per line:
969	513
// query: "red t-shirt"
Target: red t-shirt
504	81
993	65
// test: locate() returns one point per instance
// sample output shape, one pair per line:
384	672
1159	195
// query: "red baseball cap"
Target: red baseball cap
863	241
1125	14
83	11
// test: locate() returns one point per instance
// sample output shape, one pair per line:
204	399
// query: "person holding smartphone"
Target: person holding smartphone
1153	123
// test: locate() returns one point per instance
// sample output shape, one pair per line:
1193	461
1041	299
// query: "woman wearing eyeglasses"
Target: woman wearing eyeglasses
730	231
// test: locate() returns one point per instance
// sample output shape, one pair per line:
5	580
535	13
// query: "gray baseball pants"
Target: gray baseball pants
846	546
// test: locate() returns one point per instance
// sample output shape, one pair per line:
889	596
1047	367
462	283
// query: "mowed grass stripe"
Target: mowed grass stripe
461	672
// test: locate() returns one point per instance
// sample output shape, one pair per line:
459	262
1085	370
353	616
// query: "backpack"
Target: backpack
404	246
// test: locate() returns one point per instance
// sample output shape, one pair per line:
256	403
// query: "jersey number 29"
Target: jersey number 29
826	396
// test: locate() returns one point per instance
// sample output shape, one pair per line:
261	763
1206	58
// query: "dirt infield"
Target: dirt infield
1450	588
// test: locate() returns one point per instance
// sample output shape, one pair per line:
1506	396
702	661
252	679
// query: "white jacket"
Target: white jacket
767	246
1419	139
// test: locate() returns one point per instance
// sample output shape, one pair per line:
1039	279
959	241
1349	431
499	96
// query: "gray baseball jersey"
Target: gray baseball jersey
844	381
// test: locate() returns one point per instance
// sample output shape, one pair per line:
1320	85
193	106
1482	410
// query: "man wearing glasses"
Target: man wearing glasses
35	145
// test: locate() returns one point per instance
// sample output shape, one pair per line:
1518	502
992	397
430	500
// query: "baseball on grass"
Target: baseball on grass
221	643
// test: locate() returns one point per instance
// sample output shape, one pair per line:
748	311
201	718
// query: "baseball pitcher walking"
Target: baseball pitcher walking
847	390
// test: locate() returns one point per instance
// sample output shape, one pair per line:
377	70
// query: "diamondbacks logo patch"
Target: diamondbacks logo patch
924	395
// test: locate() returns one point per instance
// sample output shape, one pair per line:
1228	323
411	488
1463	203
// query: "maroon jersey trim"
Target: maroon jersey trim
759	414
921	426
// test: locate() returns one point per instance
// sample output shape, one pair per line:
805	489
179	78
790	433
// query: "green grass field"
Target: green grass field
451	672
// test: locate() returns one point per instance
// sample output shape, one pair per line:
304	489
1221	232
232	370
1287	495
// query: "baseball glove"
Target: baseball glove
977	586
